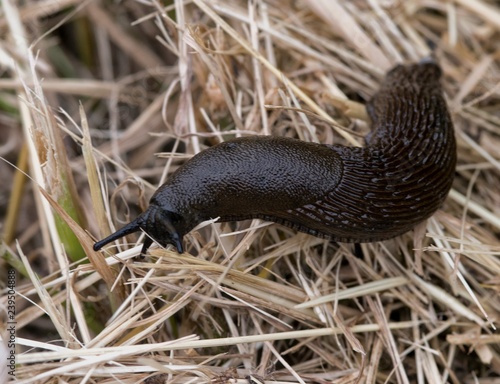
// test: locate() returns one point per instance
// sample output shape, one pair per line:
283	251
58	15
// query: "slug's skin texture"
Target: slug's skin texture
346	194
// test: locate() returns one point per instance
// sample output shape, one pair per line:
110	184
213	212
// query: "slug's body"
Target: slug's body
347	194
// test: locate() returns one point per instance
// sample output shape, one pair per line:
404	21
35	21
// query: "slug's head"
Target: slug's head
162	226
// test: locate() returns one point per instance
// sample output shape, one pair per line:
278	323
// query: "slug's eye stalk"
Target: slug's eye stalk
160	226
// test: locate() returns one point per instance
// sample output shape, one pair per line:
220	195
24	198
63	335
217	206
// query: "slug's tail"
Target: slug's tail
431	59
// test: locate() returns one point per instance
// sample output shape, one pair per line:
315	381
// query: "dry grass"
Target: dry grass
101	100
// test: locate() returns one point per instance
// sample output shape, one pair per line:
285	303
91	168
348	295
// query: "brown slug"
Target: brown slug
346	194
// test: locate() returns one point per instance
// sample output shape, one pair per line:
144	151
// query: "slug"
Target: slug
347	194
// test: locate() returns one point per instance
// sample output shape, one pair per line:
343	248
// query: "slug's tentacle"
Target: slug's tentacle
400	178
132	227
158	225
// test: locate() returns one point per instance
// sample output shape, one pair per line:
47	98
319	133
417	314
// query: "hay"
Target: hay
104	100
